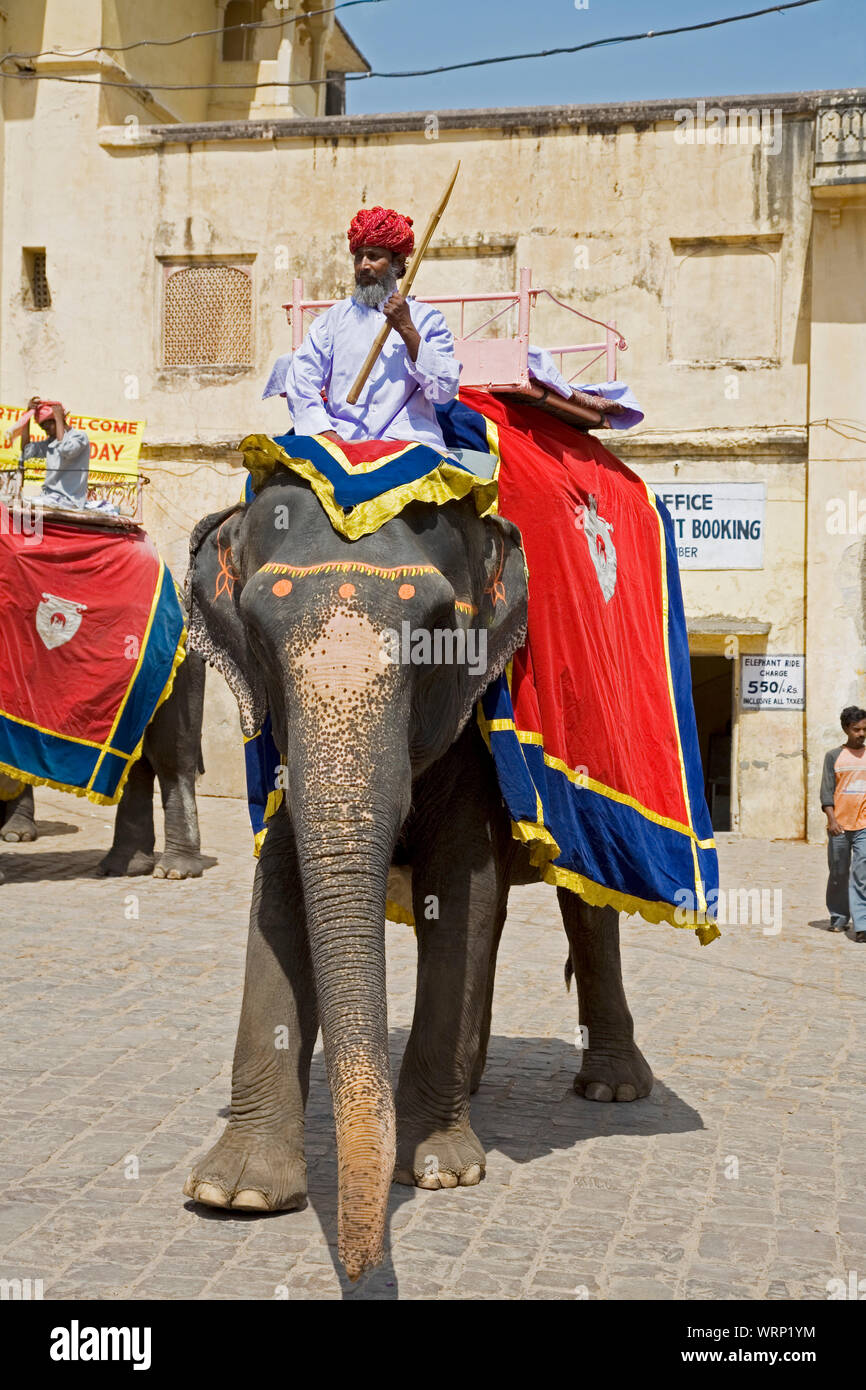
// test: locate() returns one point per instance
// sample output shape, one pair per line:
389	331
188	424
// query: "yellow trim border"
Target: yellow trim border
543	848
445	483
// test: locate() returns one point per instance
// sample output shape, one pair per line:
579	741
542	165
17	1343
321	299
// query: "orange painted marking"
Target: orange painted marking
406	591
346	590
282	587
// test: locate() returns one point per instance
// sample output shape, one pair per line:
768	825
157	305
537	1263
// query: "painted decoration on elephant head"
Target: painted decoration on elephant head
602	551
58	619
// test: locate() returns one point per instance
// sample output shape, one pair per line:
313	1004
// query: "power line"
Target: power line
196	34
419	72
594	43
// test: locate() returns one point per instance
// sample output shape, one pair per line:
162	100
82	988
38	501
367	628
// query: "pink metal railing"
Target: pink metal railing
523	298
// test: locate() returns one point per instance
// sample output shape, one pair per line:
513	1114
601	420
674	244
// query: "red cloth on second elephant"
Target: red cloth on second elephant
593	729
92	633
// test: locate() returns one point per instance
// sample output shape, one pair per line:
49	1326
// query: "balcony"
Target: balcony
840	153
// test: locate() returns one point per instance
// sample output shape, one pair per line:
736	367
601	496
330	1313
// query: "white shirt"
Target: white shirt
67	464
399	396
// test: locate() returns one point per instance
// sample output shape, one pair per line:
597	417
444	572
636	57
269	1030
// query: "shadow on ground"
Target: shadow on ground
823	924
19	866
525	1108
45	829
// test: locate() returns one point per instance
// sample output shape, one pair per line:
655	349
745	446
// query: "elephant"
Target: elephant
171	753
384	763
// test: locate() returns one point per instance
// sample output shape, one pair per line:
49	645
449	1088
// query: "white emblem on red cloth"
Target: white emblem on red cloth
58	619
599	538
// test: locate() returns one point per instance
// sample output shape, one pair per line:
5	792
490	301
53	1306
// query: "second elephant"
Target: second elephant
171	755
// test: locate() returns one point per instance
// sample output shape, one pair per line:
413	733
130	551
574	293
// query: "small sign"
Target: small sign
717	526
773	682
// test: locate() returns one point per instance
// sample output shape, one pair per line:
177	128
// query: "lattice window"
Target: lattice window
207	319
36	271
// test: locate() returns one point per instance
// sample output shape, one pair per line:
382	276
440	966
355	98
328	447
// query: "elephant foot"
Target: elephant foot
19	829
249	1173
614	1073
442	1158
121	863
174	865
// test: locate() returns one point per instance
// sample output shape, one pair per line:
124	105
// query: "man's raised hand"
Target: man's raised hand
396	311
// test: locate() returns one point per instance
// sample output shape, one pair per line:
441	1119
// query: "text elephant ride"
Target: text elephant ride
426	708
99	694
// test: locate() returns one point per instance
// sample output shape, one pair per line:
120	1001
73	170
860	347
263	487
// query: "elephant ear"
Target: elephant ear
214	584
502	603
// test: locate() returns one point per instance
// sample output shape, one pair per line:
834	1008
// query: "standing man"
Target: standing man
416	369
843	801
66	453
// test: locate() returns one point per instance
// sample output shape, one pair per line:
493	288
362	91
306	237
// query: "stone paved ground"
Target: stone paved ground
741	1176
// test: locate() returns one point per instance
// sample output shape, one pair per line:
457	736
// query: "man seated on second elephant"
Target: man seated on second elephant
171	754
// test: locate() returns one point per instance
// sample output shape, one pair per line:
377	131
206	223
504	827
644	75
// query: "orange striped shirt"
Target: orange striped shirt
849	803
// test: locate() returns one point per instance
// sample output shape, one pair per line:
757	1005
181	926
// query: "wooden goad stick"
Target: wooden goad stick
411	272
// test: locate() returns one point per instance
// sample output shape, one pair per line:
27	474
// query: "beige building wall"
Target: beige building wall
701	253
836	640
727	609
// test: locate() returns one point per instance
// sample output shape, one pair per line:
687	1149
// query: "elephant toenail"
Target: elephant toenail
210	1195
448	1179
626	1092
471	1175
249	1199
598	1090
429	1183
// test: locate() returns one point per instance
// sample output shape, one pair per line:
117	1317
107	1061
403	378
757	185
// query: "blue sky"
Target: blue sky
819	46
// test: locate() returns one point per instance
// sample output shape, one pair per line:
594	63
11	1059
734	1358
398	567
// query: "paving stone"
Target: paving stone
120	1043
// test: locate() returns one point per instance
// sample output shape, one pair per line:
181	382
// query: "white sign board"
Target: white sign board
773	682
717	526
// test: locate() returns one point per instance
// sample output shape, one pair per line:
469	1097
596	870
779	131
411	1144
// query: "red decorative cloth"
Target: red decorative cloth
381	227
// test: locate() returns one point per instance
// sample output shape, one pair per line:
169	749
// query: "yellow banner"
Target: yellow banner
114	444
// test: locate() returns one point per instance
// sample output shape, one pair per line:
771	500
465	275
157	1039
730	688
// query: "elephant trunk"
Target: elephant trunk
344	849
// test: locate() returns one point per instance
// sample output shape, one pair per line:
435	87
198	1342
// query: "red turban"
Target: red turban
45	410
382	227
40	413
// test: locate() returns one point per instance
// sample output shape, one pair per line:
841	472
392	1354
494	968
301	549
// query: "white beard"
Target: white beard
372	296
